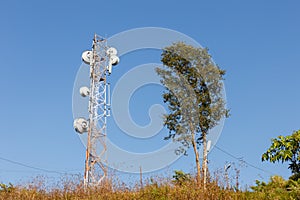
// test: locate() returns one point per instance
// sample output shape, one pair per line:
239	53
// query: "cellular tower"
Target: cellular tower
100	60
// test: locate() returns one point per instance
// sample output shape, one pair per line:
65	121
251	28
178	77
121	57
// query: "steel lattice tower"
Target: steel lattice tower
100	60
95	163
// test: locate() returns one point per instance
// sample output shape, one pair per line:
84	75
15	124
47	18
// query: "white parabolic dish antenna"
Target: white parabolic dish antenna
86	57
114	60
112	51
84	91
81	125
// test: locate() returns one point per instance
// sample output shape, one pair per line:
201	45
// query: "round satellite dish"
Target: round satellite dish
86	57
84	91
112	51
81	125
114	60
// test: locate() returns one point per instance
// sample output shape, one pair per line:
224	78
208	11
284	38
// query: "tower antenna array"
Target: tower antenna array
100	60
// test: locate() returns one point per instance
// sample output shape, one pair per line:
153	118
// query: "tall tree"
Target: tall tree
285	149
193	93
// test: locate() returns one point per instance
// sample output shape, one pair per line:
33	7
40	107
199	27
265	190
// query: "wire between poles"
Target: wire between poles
242	160
31	167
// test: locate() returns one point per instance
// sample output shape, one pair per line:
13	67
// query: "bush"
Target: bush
180	178
278	188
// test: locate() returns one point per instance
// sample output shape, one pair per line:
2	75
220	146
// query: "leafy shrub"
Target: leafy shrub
180	178
6	188
278	188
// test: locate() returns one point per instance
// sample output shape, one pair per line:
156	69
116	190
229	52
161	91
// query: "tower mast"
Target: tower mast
100	60
95	163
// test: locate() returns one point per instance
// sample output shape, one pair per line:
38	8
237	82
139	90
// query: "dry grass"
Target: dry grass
159	188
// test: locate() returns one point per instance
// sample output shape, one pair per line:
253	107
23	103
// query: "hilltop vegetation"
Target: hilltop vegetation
181	186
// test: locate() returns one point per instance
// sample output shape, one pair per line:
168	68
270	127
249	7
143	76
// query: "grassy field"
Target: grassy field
181	188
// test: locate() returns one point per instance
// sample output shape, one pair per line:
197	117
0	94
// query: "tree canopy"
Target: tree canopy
193	94
285	149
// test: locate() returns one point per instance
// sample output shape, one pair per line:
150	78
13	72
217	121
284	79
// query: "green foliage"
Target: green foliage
295	177
285	149
181	178
6	188
278	188
194	97
193	92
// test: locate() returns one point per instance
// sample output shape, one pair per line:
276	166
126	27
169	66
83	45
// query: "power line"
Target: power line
18	171
57	172
242	160
31	167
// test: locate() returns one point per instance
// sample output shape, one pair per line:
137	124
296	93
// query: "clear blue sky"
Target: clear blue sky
256	42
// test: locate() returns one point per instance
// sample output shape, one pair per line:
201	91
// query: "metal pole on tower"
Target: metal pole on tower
100	59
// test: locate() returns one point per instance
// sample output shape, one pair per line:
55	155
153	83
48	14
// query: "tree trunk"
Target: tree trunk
204	163
198	177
